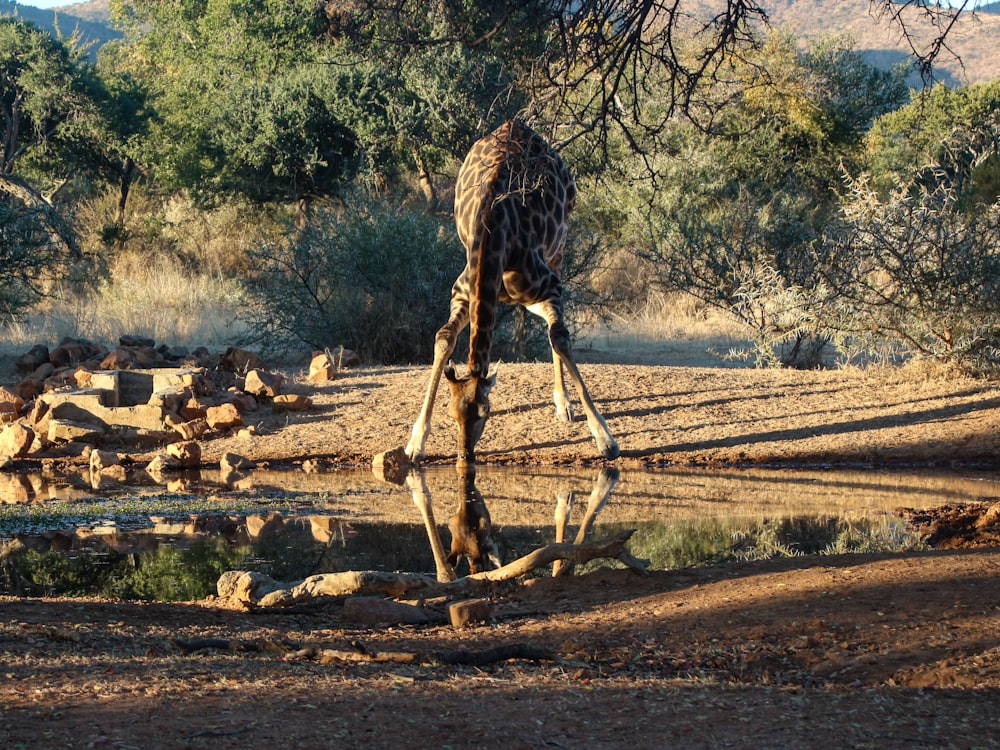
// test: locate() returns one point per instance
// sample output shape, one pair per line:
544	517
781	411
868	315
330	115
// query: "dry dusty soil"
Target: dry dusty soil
883	651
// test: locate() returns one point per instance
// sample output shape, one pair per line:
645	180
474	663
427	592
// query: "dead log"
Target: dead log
252	590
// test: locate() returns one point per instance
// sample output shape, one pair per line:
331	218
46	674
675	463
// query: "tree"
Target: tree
917	271
903	141
243	103
731	215
598	67
47	104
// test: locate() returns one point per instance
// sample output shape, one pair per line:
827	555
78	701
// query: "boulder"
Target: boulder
32	359
263	384
372	610
8	412
187	453
74	351
121	358
193	429
223	417
29	388
136	341
16	440
234	462
65	431
7	396
469	611
240	360
391	466
321	369
101	460
291	402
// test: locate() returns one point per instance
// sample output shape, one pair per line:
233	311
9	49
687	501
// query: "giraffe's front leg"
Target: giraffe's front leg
444	345
564	407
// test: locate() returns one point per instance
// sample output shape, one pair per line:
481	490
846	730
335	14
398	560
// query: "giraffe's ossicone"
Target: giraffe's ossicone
512	202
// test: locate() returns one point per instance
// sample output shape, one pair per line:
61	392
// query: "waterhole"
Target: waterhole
73	535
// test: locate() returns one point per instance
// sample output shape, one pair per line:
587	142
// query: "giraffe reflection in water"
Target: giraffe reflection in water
471	525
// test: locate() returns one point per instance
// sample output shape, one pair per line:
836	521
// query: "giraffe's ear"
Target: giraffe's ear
491	378
449	372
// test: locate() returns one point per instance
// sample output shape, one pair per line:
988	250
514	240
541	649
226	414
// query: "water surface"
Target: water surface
79	535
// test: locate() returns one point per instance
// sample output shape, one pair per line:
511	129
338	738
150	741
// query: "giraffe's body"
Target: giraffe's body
512	202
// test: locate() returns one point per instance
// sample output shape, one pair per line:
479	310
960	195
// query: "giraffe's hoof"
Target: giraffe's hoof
610	450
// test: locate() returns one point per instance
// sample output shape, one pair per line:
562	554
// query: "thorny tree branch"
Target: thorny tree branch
628	66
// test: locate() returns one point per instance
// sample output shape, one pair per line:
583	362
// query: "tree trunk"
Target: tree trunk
51	222
426	182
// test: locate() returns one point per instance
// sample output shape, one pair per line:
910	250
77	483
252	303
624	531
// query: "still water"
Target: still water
74	535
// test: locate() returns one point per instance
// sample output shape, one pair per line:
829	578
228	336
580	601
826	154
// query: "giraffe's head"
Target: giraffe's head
472	529
469	407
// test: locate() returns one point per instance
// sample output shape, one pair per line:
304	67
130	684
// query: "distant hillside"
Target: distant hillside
974	39
92	19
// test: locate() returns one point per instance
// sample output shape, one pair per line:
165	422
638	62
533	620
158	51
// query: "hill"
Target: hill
92	20
973	39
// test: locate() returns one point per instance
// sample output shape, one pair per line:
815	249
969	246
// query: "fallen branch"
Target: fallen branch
252	589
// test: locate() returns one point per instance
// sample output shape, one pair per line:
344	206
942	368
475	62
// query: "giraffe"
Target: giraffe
512	202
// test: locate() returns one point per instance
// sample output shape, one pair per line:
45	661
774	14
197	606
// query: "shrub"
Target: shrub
919	269
375	278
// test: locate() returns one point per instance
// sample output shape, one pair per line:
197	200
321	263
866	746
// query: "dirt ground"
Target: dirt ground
822	652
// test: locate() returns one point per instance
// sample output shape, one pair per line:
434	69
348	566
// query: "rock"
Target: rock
391	466
321	369
193	429
8	396
259	525
346	358
469	611
43	371
159	465
193	409
223	417
291	402
136	341
8	412
242	401
120	359
187	453
234	462
32	359
373	610
29	388
199	382
65	431
101	460
109	477
263	384
16	440
240	360
74	351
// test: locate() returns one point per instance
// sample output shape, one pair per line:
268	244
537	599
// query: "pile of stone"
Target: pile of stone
141	395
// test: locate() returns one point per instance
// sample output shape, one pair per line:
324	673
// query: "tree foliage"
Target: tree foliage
920	268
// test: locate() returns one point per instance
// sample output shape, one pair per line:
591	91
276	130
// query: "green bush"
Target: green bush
374	278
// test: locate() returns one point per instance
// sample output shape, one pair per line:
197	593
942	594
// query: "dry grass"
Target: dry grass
158	298
668	329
